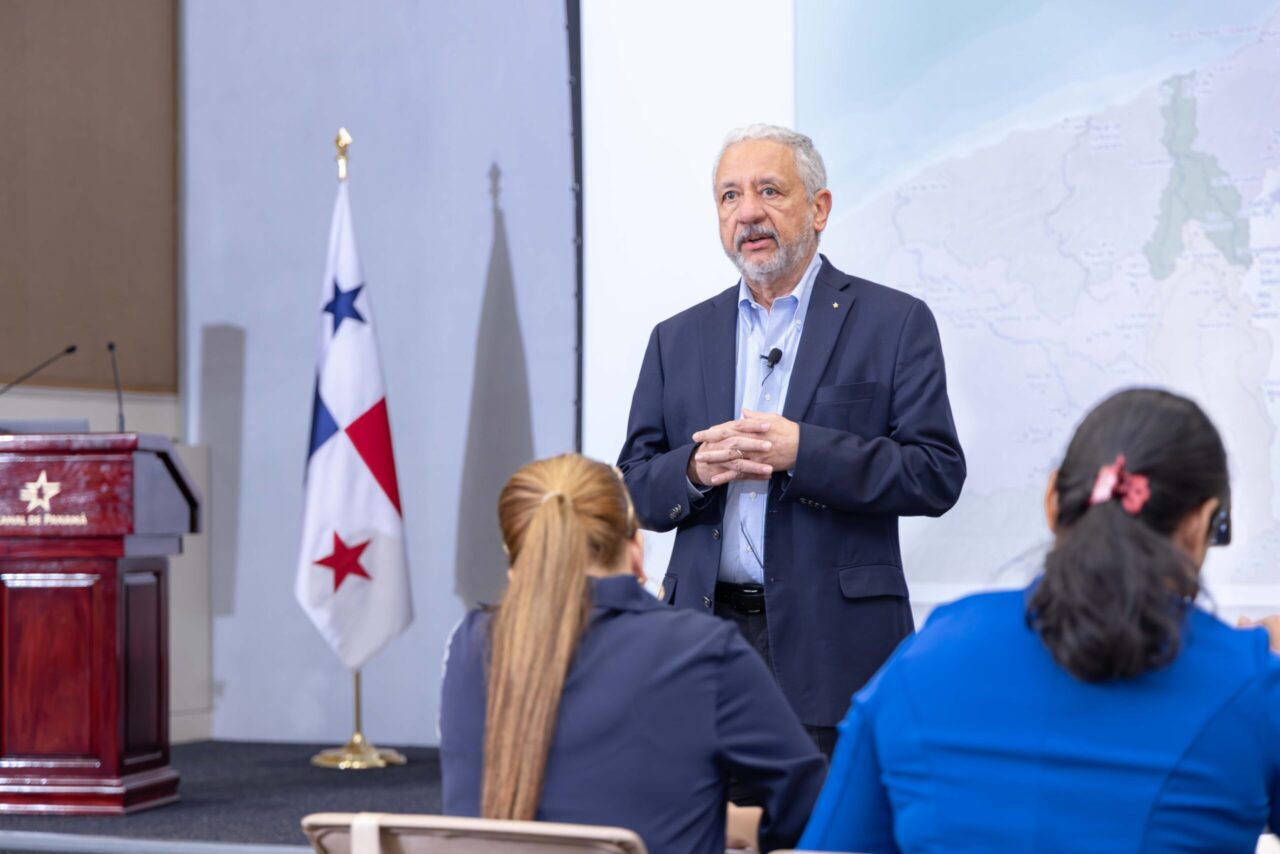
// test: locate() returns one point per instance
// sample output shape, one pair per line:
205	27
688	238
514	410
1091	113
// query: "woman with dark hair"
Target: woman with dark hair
1098	710
581	698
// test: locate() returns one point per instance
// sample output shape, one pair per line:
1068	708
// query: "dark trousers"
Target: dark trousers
755	628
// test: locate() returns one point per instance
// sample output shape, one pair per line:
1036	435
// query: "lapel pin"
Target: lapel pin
835	305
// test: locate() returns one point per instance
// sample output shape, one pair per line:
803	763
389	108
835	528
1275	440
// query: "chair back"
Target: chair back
392	833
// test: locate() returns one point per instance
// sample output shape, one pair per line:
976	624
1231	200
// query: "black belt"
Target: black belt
744	598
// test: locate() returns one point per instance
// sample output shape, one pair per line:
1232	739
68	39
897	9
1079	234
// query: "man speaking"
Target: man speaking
783	426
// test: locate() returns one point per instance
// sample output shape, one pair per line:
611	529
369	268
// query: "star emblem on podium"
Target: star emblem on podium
344	560
38	492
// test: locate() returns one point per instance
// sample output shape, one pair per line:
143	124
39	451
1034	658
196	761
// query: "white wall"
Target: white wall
663	82
191	619
434	93
143	413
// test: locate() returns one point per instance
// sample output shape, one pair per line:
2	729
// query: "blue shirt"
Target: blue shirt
762	389
660	707
971	738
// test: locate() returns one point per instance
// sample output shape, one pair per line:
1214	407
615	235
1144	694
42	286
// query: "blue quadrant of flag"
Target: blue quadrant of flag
322	424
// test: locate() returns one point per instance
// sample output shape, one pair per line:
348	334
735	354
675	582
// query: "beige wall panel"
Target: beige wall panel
88	190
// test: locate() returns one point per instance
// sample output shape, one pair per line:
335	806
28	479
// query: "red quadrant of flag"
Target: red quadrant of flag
371	434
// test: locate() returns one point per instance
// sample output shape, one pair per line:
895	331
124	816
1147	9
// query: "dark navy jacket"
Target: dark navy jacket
877	441
660	707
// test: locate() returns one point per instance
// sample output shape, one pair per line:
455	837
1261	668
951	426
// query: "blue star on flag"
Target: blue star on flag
343	305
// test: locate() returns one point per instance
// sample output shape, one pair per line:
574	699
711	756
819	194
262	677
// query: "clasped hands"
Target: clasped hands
752	447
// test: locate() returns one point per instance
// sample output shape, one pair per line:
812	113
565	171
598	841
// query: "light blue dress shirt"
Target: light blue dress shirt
762	389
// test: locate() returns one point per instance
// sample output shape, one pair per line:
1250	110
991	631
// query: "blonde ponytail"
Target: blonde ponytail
559	516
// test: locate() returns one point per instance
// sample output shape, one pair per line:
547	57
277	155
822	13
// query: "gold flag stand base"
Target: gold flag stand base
357	754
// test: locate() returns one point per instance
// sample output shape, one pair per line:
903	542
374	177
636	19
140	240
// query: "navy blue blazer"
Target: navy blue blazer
660	707
877	441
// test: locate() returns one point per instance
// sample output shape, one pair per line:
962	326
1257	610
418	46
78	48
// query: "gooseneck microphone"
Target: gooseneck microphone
40	367
774	357
115	372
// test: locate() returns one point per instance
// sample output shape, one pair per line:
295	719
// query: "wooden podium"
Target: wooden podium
87	522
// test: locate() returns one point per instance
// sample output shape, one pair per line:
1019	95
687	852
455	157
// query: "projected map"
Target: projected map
1088	197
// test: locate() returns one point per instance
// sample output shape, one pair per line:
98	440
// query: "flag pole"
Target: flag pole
357	754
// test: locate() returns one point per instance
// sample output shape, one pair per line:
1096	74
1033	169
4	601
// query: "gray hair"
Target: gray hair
808	161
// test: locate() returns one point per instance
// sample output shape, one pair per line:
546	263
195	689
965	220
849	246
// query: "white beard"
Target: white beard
788	256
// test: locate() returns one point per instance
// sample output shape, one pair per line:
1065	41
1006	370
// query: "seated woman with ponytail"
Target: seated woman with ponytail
582	698
1098	710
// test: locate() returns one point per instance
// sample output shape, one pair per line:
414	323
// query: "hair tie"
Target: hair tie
1113	481
550	495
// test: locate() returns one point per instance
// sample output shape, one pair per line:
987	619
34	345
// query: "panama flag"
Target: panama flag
353	577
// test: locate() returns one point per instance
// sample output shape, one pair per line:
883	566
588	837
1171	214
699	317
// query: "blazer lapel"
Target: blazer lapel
719	340
828	307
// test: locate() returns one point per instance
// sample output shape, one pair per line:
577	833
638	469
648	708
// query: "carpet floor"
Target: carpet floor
258	792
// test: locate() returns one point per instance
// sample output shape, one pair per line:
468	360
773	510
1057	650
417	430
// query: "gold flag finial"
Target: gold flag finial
343	142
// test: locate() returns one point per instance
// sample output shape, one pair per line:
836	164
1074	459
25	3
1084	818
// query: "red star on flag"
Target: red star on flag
344	561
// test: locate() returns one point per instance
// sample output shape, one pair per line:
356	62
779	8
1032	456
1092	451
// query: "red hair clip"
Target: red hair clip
1113	481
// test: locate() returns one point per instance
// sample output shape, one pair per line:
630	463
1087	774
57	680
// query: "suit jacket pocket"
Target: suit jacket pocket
846	393
667	591
872	579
